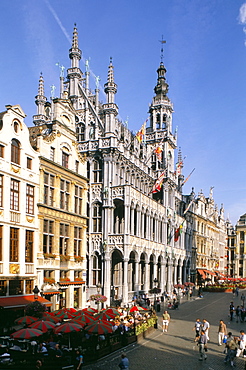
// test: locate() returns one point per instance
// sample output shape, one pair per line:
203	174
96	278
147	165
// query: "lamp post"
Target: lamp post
98	292
35	292
155	289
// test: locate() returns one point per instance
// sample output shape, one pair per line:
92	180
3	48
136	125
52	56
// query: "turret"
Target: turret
40	101
74	73
110	109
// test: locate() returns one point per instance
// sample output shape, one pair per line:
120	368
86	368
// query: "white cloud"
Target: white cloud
242	14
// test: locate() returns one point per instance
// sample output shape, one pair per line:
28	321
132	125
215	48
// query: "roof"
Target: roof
21	301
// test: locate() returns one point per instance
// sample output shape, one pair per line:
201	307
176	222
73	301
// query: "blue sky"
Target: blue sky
205	58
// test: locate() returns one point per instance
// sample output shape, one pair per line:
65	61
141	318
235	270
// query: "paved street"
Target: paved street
176	349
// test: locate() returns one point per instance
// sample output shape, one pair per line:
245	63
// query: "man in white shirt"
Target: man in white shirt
205	327
242	343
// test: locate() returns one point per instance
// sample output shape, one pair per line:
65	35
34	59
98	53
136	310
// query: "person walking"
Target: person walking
78	360
165	322
231	348
238	313
221	332
202	342
197	328
231	310
124	363
205	328
242	299
242	344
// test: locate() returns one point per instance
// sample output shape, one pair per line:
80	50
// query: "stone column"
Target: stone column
169	275
146	277
175	272
125	285
136	282
132	221
107	278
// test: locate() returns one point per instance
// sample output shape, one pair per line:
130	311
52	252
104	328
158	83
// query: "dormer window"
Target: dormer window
65	159
16	126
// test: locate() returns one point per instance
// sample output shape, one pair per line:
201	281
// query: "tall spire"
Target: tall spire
75	52
40	101
110	87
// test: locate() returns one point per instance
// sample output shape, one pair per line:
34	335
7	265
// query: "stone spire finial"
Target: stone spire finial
41	85
110	71
75	44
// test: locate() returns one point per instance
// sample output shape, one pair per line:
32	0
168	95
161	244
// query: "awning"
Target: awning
210	272
21	301
51	292
202	273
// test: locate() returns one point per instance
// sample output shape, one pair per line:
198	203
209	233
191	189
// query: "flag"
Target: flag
178	232
188	207
140	134
158	184
187	178
179	165
158	152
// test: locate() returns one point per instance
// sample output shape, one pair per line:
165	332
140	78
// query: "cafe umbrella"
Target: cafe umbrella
67	328
27	333
44	326
26	320
99	327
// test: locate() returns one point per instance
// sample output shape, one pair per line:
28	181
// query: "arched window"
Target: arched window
158	122
15	151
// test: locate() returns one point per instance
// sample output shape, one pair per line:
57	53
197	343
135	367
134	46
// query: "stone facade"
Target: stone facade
19	193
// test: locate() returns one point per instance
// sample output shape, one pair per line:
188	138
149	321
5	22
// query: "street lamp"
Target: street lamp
155	290
98	291
35	292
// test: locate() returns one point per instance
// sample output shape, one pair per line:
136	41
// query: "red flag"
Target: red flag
158	184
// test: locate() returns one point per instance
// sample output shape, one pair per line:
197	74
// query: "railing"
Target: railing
14	216
29	268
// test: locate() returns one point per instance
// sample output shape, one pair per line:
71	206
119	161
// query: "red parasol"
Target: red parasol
65	316
133	308
51	318
27	333
68	327
85	319
99	327
105	316
111	310
43	325
26	320
89	309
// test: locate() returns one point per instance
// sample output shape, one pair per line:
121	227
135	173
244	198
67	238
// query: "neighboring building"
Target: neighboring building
231	251
240	250
61	254
19	193
209	239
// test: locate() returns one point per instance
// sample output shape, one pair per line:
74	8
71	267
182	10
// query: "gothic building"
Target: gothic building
131	230
112	216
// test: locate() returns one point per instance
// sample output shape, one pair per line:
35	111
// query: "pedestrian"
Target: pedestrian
165	321
205	328
231	348
238	313
124	363
237	291
78	360
242	299
202	342
242	344
197	328
221	332
231	310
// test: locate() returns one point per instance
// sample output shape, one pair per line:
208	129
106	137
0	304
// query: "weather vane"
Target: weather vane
162	50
